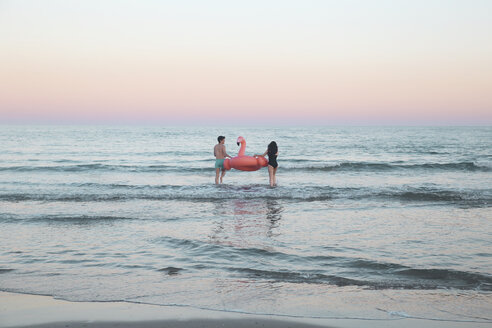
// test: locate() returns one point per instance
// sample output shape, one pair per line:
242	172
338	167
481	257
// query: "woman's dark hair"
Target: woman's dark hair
220	138
272	148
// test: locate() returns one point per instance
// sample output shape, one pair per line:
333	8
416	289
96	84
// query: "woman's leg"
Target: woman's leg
275	176
270	174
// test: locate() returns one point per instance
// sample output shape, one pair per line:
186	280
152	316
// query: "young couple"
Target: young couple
220	155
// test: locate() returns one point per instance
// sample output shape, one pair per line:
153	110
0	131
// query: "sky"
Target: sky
246	62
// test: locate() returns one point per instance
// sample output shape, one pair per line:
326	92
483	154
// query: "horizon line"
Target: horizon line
247	124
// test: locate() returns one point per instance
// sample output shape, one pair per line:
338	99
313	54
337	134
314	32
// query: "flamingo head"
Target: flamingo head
240	140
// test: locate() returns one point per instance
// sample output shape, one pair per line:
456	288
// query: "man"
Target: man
220	154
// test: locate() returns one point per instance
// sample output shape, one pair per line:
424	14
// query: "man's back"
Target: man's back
219	151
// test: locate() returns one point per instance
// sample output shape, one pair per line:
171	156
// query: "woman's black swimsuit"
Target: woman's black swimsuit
272	160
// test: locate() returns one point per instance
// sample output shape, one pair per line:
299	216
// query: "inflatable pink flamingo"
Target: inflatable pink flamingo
243	162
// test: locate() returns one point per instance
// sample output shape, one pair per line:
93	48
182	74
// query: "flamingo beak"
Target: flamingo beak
237	143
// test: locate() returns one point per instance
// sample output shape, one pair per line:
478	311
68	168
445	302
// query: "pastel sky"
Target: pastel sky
259	62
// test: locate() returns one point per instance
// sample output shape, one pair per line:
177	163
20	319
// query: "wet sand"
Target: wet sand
23	310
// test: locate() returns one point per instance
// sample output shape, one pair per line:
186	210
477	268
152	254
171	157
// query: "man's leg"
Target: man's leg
217	172
223	173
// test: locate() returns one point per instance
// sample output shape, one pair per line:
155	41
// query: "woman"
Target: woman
272	152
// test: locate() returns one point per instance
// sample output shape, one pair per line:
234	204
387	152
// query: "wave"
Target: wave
287	165
299	277
334	270
424	279
171	271
443	278
210	193
368	166
75	219
104	167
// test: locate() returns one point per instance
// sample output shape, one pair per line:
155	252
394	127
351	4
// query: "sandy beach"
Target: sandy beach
22	310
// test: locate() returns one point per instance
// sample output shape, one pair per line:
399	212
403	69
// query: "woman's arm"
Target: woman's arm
264	154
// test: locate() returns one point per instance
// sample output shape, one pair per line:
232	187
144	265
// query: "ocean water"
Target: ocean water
366	222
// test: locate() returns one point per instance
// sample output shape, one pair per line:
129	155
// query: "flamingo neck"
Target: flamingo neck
242	150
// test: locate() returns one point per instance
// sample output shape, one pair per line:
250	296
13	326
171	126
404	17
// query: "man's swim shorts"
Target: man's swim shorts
219	163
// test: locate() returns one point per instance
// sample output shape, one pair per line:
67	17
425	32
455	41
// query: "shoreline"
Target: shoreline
28	310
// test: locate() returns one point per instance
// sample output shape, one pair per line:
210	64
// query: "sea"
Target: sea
374	223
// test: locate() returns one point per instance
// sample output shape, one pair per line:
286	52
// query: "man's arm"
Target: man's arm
225	153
